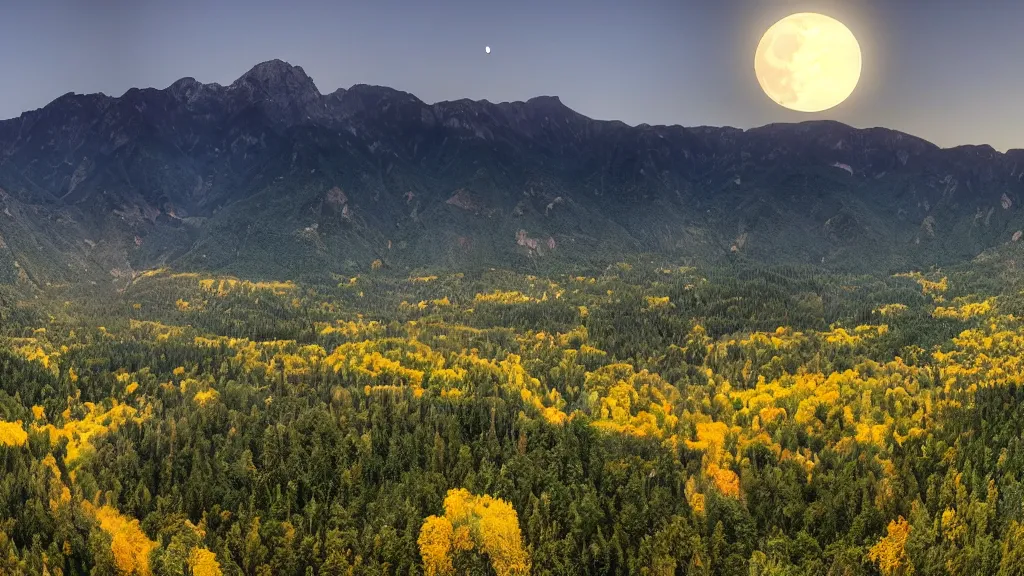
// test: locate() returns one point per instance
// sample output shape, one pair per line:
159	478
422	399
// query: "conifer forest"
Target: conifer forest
641	418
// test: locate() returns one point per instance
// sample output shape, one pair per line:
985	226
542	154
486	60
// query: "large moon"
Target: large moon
808	62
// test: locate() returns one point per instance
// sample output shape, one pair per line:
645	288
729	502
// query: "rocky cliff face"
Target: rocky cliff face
268	176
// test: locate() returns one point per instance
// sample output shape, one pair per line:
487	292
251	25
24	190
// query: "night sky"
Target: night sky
949	71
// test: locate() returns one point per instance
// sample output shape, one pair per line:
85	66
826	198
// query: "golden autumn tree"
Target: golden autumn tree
12	433
890	552
129	544
693	497
490	525
727	481
202	562
435	543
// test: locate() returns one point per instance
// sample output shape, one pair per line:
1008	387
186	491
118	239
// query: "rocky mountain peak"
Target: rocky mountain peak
547	103
185	88
277	73
285	93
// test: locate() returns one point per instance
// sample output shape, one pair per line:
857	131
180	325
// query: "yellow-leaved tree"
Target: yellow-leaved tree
12	433
890	552
489	525
435	546
130	545
202	562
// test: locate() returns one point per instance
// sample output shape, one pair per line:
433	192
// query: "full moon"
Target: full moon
487	49
808	62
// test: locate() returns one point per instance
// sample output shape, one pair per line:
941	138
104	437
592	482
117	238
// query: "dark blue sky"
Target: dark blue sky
946	70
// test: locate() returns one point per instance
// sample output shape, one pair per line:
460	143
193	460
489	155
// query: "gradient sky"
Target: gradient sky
946	70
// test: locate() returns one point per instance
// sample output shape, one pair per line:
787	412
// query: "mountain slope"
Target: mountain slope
268	177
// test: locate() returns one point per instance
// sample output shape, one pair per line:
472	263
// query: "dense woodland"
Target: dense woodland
644	418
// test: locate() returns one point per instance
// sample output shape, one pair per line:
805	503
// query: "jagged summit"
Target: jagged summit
548	102
273	73
188	88
273	67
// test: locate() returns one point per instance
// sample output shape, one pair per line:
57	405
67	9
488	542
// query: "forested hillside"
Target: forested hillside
643	418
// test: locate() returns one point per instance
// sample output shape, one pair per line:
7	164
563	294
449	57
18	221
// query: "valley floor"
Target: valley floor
642	419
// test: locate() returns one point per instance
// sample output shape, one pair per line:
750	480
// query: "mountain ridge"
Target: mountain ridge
272	69
268	176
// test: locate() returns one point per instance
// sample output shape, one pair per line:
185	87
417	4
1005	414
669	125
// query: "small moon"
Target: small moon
487	49
808	62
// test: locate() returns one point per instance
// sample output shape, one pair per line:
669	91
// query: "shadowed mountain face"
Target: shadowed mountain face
268	177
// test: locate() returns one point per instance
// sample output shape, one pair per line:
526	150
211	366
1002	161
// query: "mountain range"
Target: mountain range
267	177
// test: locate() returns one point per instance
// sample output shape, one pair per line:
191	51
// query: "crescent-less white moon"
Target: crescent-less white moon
487	49
808	62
